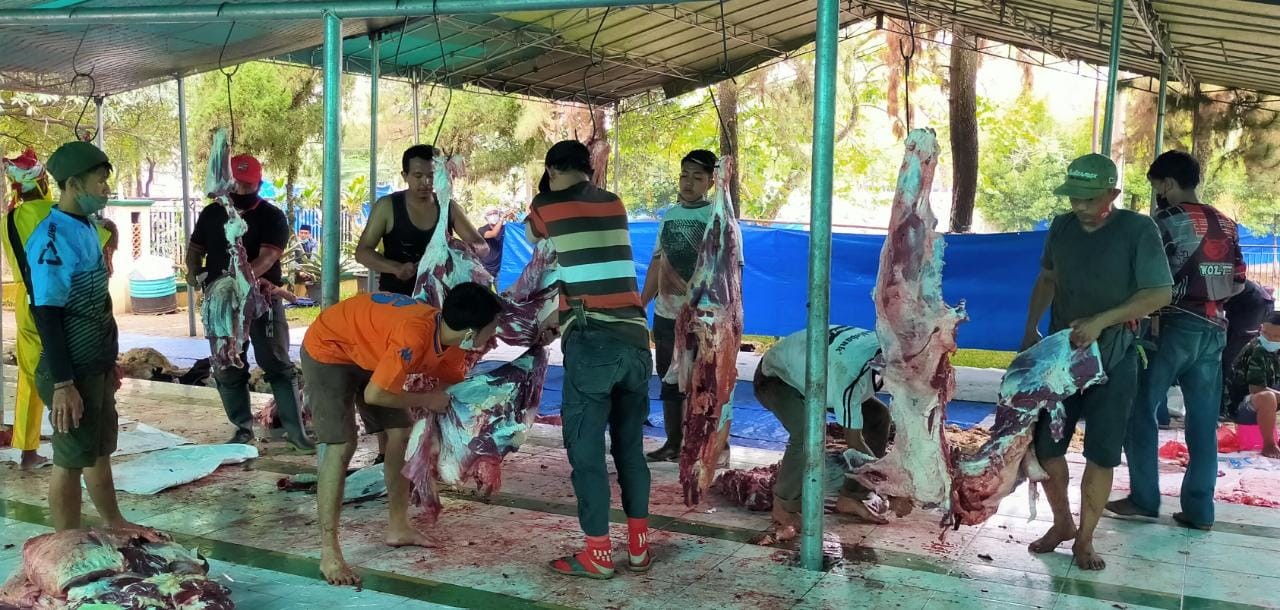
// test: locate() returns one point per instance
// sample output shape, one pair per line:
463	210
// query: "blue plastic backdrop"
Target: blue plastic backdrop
991	273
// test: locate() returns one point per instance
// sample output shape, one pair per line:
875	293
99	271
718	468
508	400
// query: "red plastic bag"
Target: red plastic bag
1174	450
1228	442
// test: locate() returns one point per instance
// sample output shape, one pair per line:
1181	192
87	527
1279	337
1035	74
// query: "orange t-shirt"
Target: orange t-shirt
392	335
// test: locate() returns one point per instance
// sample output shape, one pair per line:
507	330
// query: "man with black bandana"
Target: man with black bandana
264	241
67	278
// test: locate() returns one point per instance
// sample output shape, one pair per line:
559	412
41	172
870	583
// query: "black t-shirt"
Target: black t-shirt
1248	310
493	261
267	227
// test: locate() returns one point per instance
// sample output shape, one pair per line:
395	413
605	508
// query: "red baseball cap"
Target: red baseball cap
245	168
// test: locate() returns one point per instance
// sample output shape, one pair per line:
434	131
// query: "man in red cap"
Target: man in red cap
209	258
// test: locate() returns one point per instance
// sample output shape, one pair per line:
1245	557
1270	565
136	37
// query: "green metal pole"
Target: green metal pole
1160	110
331	214
824	108
242	11
375	69
1113	70
98	139
186	194
417	116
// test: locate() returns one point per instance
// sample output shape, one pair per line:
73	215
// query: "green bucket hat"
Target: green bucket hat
1088	177
74	158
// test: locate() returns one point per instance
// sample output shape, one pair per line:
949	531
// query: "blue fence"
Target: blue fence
993	274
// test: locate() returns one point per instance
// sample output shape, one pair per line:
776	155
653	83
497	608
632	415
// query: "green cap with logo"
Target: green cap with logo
74	158
1088	177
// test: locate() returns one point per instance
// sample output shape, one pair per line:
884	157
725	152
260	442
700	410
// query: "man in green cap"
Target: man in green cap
1103	268
67	279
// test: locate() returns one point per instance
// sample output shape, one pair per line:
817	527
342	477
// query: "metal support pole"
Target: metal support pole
1160	111
186	195
824	108
375	69
417	118
1113	71
331	214
97	137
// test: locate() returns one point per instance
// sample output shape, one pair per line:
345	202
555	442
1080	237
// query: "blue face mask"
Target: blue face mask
1270	346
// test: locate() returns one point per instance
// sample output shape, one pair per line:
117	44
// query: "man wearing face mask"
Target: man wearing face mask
1203	250
67	276
264	242
355	358
492	234
1253	382
31	203
1102	269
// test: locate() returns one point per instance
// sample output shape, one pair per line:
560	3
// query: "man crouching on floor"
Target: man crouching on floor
359	352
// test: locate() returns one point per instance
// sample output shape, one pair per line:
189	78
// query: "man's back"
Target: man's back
589	229
1203	247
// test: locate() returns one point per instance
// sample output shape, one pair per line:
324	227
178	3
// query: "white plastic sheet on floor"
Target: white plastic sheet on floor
160	470
134	438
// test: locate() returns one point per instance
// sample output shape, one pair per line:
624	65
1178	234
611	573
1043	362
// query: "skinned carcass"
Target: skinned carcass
128	569
1037	381
231	302
707	339
489	412
917	333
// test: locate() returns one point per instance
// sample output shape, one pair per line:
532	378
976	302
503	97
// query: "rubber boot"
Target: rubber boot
673	421
287	410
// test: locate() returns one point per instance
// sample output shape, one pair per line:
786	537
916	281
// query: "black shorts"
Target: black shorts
1105	410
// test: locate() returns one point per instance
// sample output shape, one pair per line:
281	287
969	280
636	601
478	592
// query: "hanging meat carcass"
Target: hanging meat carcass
708	336
490	412
917	333
112	569
1037	381
231	302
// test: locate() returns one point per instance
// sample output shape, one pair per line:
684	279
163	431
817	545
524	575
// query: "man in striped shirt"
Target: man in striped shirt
606	354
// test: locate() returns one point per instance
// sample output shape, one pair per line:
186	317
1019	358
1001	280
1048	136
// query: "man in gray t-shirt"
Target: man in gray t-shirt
1103	268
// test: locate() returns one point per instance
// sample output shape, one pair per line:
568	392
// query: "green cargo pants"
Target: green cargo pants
606	385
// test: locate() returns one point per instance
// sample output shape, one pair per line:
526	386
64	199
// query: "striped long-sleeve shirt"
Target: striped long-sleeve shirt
588	227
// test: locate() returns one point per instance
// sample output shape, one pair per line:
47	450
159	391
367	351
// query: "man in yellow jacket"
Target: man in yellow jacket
27	205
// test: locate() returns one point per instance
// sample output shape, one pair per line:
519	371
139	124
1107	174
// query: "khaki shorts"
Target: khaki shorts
95	437
332	390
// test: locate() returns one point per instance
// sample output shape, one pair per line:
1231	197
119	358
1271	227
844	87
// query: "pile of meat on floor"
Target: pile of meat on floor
917	333
126	569
708	335
490	412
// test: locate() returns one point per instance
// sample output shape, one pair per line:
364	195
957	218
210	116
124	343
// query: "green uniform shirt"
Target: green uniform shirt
1253	367
1100	270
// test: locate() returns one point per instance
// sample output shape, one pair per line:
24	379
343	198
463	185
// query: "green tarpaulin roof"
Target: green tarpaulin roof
675	48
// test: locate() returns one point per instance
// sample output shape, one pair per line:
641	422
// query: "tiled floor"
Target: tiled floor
262	545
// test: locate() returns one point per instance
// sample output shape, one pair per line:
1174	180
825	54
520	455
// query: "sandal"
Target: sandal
570	566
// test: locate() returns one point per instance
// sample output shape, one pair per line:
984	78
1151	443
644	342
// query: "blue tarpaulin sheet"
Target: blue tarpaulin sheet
992	273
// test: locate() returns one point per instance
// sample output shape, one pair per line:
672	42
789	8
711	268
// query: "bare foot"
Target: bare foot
1086	558
1051	539
1272	452
859	511
787	523
337	572
408	536
32	460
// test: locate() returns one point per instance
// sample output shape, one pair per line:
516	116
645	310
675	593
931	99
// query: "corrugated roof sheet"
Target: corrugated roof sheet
576	54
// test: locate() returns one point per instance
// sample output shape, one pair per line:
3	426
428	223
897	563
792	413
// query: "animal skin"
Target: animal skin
1037	381
708	336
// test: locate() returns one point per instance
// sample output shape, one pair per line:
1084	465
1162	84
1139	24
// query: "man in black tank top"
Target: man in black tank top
392	225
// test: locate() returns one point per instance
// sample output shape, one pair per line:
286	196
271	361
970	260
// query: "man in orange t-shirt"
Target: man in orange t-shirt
358	353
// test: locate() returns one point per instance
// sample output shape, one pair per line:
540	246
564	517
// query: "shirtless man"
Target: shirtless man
356	356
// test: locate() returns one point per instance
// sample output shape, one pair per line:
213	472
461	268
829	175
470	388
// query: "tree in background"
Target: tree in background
963	88
278	112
